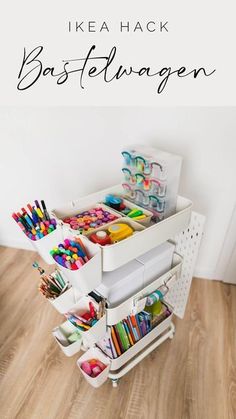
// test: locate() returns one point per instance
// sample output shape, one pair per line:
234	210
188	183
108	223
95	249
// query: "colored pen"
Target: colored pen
45	210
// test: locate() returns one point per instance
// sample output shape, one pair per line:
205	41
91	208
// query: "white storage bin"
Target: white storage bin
44	245
64	302
122	283
69	211
121	311
69	349
157	261
141	344
118	254
96	332
146	221
89	276
95	353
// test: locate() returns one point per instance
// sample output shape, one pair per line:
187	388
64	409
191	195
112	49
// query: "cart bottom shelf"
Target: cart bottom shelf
115	375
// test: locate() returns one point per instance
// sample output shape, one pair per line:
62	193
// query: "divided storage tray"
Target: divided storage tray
115	255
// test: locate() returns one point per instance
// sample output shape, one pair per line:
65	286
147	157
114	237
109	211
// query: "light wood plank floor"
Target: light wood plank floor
191	377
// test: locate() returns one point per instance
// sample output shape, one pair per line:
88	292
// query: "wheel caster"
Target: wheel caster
115	383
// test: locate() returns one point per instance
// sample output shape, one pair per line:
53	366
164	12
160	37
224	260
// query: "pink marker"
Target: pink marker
78	264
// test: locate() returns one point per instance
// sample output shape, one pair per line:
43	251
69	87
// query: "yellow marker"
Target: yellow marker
140	217
39	212
75	256
86	326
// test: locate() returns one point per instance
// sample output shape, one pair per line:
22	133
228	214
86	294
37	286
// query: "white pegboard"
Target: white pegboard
187	245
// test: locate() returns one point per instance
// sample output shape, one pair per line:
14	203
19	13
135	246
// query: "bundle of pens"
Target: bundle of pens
36	223
85	320
53	285
71	254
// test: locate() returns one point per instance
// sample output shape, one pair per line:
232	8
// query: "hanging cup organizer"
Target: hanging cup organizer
184	228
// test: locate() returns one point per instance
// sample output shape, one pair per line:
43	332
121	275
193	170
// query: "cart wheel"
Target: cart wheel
115	382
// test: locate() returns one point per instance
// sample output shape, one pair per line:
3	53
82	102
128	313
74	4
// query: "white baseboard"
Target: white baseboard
18	244
204	273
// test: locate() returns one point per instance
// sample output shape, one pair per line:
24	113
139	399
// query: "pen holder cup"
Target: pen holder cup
69	349
44	245
95	353
89	276
64	302
96	332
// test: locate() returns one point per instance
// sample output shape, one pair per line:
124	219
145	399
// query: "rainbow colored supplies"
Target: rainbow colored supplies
53	285
36	223
121	336
118	204
88	220
71	254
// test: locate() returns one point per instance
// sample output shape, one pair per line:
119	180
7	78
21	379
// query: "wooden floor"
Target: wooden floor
193	376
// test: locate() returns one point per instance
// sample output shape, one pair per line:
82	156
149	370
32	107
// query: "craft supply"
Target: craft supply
100	237
85	320
37	223
123	335
71	254
93	367
119	232
74	337
53	285
114	233
90	219
118	204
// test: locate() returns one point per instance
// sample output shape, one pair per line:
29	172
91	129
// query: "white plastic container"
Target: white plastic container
95	353
131	205
116	255
96	332
121	311
157	261
64	302
89	276
122	283
68	211
69	349
44	245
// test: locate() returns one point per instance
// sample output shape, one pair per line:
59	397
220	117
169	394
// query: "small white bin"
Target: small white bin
95	353
69	349
44	245
89	276
131	205
64	302
96	332
73	209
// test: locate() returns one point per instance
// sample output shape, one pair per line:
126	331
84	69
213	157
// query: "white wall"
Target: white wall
58	154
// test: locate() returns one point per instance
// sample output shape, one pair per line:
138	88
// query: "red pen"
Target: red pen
92	310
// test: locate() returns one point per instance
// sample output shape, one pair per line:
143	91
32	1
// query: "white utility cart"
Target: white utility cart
184	229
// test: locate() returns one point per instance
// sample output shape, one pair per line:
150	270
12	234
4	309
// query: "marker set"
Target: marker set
71	254
36	223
